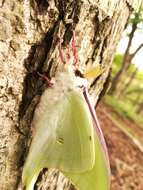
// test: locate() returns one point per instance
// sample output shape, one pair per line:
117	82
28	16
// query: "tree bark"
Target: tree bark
28	39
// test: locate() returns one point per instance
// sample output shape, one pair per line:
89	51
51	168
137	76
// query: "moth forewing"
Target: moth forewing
64	137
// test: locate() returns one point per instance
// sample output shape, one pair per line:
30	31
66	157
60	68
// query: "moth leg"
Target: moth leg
45	78
74	49
68	53
61	52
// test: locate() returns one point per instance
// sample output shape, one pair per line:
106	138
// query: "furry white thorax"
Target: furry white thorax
67	79
64	81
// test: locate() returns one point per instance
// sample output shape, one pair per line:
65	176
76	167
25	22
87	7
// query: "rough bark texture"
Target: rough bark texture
29	33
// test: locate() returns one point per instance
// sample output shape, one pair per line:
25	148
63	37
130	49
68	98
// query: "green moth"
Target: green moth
67	137
67	133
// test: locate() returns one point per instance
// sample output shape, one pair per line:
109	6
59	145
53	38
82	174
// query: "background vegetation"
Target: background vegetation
125	93
121	111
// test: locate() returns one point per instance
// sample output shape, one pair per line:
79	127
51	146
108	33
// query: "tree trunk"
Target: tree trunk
28	40
128	83
126	59
140	108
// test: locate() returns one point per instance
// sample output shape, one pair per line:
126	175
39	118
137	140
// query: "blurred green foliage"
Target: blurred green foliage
124	109
127	98
116	63
137	17
126	105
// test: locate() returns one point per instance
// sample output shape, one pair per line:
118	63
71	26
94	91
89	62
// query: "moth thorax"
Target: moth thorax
80	82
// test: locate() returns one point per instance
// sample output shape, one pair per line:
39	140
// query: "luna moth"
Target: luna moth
67	136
